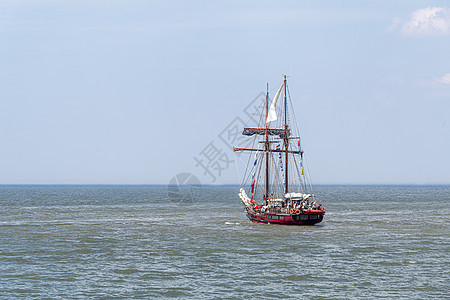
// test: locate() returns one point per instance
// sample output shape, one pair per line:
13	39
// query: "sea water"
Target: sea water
125	242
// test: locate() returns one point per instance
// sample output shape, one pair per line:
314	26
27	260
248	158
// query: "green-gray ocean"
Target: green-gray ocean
125	242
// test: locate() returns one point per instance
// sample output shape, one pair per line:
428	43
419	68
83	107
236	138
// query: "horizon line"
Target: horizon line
213	184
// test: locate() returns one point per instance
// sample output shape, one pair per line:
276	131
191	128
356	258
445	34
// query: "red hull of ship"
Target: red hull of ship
307	218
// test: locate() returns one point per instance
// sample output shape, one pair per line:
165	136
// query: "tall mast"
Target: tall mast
286	140
266	146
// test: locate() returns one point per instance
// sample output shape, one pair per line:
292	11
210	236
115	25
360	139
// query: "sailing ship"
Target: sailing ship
276	186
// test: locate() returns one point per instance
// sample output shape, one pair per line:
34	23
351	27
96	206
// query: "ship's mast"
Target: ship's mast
283	133
266	146
286	140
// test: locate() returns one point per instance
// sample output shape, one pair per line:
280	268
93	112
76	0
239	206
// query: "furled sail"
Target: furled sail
262	131
272	115
297	196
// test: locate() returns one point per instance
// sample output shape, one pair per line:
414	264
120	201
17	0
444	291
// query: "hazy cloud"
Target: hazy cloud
444	79
425	21
435	83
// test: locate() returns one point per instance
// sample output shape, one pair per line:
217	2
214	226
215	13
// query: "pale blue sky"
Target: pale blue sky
132	91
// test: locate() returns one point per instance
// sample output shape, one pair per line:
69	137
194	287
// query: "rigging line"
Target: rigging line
276	87
249	175
281	173
237	170
245	173
248	162
300	183
309	179
305	178
243	179
294	179
275	174
246	169
257	177
261	105
297	129
253	143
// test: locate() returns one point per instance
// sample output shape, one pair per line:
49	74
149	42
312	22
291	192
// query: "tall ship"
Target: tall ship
276	187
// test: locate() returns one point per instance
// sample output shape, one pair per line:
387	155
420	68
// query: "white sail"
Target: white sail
272	115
